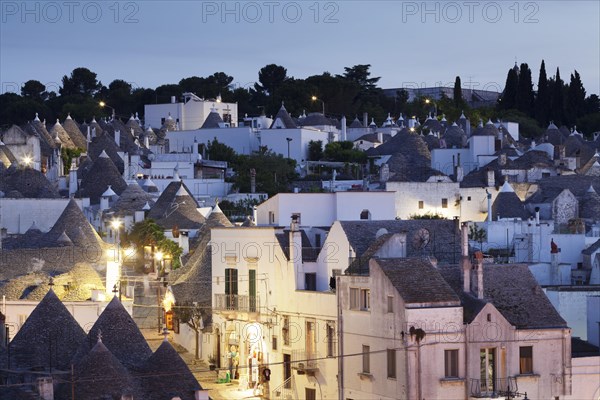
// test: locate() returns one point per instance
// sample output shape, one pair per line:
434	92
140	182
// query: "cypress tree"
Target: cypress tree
458	98
524	98
542	100
509	95
557	100
575	104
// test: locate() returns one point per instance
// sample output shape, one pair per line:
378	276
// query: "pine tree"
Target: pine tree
542	100
575	104
508	100
557	100
458	97
524	98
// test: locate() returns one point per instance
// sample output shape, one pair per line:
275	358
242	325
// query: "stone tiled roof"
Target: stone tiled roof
489	129
410	159
100	375
316	119
356	124
57	130
75	133
166	383
549	188
455	137
418	282
213	120
285	118
6	156
75	225
102	174
592	248
107	144
589	205
49	337
531	159
28	182
120	335
308	253
132	199
513	290
508	205
176	207
444	242
433	142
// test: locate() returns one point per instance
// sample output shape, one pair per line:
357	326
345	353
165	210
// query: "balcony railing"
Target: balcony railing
493	388
236	302
285	391
303	360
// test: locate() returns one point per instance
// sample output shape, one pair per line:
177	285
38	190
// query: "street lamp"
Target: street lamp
103	104
288	141
27	161
427	101
116	225
315	98
159	257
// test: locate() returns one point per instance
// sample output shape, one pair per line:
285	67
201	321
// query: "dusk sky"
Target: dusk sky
408	44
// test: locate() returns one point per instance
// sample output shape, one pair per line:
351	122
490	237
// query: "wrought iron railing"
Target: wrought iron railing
493	387
305	360
236	302
285	391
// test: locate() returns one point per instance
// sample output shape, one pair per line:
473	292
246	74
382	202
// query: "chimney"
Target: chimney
365	119
465	262
45	388
537	216
295	240
489	206
502	159
344	136
491	179
477	284
459	172
380	137
172	99
255	214
252	180
72	179
118	138
554	263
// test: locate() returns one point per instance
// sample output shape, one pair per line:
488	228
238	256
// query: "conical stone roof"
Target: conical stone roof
176	208
49	337
102	174
77	137
120	335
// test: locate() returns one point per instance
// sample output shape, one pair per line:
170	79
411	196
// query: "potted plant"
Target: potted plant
212	362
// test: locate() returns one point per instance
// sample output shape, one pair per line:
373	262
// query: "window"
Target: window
391	363
365	214
271	218
365	299
451	363
310	281
310	394
274	342
360	299
469	198
354	299
285	331
330	339
231	288
390	304
526	360
421	204
366	359
444	203
487	369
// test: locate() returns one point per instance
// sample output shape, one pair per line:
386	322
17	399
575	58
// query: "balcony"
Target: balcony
236	302
305	361
493	388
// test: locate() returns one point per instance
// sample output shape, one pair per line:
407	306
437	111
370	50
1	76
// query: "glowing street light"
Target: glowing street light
103	104
27	160
427	101
315	98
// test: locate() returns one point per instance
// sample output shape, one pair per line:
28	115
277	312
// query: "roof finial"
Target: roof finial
165	333
99	335
51	283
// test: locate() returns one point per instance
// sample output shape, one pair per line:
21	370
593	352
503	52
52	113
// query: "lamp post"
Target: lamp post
103	104
159	257
315	98
427	101
288	142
